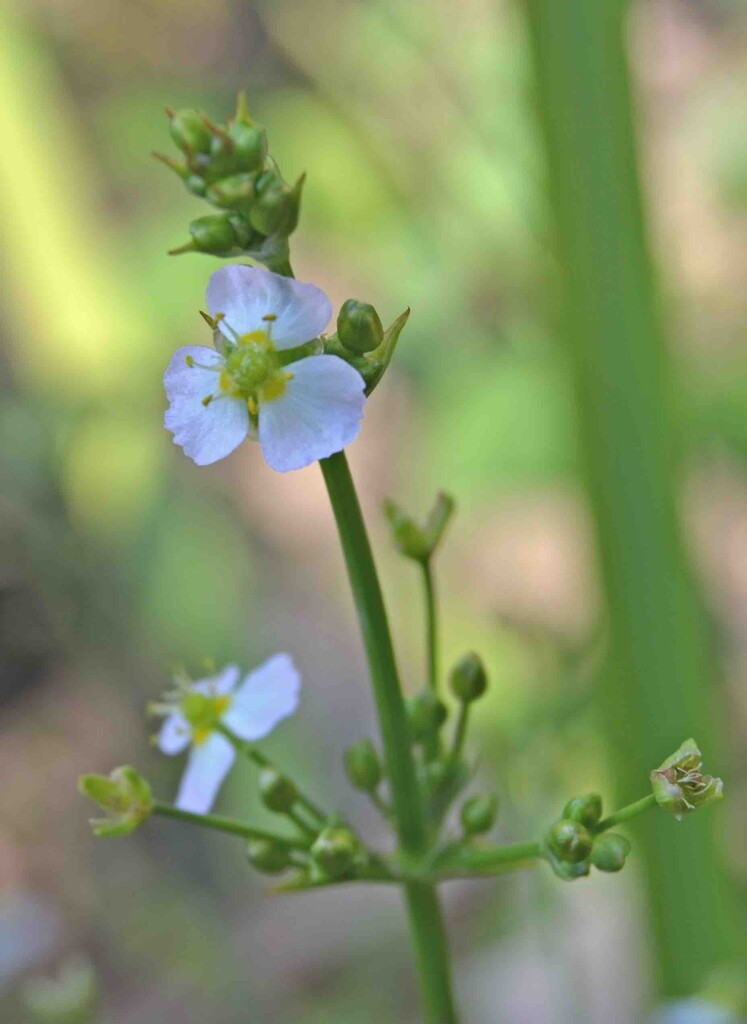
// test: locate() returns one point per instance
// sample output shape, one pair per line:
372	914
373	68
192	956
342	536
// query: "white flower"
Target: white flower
251	710
299	412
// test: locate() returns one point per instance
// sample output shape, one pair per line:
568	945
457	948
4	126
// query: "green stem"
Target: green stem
222	824
626	813
460	732
434	967
377	640
431	624
432	952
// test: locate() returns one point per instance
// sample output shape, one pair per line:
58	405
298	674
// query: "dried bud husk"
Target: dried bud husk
277	792
468	678
479	813
585	809
680	787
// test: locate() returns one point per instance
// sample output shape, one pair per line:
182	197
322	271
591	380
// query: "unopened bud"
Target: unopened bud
359	327
678	784
479	813
251	144
569	841
213	234
125	796
609	852
222	159
335	851
410	540
234	192
189	131
268	857
468	679
363	766
277	791
585	809
425	714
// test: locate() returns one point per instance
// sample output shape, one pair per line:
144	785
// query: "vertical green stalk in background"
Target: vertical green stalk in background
429	935
660	683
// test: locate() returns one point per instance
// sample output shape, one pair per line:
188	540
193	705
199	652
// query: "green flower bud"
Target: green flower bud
359	327
678	784
335	851
409	539
213	234
425	714
268	857
70	998
468	678
569	841
277	792
251	144
189	131
478	814
363	766
223	160
123	794
585	809
234	192
609	852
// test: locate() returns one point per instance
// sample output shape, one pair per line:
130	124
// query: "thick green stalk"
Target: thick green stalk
369	604
659	684
426	921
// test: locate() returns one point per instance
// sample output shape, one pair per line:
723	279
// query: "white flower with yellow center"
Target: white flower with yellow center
196	713
299	412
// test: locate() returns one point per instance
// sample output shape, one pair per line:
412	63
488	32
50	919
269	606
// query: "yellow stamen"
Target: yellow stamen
275	387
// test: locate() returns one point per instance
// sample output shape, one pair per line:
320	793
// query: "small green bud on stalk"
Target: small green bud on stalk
268	857
479	813
189	131
251	144
222	159
680	787
468	679
425	714
585	809
609	852
410	540
277	792
359	327
569	841
363	766
125	796
213	234
235	192
335	851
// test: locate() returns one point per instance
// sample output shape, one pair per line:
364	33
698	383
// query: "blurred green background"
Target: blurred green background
119	559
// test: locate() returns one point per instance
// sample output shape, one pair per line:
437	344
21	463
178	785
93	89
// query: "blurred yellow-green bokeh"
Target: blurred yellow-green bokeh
120	560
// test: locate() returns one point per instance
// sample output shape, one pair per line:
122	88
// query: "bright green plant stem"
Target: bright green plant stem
658	687
625	814
223	824
431	621
426	921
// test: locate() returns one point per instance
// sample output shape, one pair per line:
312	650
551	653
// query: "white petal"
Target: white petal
219	685
175	734
318	414
207	767
244	295
268	695
206	433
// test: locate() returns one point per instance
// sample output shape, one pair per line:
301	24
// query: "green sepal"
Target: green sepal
336	853
372	365
585	809
125	796
609	852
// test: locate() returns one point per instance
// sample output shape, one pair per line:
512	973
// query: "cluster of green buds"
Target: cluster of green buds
572	846
679	785
415	540
124	795
229	166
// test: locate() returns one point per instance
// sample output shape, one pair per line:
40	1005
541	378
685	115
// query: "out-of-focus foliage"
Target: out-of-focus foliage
120	560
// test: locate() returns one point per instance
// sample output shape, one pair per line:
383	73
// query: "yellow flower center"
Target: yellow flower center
203	712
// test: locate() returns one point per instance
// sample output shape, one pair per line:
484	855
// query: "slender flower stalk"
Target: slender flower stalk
429	585
233	826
